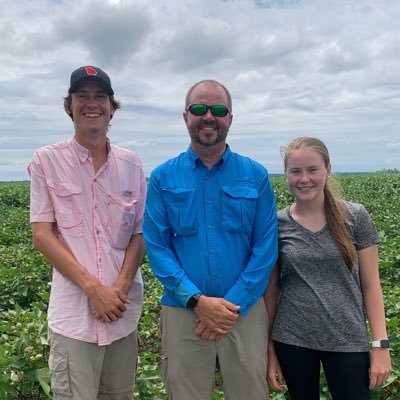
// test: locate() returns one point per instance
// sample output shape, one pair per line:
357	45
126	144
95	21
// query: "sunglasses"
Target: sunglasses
201	109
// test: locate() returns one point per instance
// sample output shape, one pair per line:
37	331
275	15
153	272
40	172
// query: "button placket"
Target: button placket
211	203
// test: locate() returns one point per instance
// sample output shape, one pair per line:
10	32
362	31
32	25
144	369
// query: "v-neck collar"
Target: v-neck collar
302	227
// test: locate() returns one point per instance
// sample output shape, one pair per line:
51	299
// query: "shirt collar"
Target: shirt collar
83	153
225	158
195	159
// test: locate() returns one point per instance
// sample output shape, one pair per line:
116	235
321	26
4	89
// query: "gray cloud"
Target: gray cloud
328	69
196	46
112	34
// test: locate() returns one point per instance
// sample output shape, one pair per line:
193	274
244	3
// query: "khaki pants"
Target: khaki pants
188	362
86	371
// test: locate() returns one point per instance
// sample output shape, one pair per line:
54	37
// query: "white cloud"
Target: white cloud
328	69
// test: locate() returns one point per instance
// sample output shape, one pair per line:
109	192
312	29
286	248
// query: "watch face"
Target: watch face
385	344
191	302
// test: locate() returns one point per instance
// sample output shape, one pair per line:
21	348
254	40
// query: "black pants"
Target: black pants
346	373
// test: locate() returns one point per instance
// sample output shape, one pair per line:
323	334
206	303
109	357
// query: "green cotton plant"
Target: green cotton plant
149	384
24	354
24	276
25	286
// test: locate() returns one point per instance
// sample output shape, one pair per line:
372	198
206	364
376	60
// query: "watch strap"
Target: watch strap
381	343
193	300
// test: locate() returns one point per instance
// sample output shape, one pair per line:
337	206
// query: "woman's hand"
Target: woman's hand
380	367
274	372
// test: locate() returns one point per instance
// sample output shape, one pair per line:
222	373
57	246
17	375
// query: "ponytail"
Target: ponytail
338	227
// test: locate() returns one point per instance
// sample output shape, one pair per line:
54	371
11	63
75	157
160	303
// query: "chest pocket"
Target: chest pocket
182	210
121	220
66	199
238	208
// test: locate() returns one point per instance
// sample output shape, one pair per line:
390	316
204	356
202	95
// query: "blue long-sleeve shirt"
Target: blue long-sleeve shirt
211	231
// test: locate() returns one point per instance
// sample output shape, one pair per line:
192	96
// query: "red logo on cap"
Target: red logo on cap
91	71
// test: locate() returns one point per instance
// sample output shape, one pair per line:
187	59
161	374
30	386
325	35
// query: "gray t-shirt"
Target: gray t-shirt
321	304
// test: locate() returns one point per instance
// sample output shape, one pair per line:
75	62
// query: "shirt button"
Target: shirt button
213	277
207	178
208	201
97	232
212	251
210	226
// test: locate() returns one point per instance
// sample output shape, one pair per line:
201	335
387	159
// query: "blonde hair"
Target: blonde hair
333	206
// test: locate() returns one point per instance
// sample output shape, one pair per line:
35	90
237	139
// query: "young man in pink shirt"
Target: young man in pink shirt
87	202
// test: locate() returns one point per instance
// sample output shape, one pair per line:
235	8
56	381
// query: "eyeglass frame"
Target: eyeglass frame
208	108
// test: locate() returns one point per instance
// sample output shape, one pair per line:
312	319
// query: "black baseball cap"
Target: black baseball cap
90	74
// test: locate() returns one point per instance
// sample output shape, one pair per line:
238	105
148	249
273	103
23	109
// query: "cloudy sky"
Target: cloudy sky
323	68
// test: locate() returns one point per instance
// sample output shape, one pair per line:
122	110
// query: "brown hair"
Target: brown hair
334	210
209	82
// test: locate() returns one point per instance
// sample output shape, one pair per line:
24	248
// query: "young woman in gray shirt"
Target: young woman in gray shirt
325	281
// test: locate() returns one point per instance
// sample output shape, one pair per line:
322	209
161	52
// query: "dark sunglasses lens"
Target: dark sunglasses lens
219	111
198	109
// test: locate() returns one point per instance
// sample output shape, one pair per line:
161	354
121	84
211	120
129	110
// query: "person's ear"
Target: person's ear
185	116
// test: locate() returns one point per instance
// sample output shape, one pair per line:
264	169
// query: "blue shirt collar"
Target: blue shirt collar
195	159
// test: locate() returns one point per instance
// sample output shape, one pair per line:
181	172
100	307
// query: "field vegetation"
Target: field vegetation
25	284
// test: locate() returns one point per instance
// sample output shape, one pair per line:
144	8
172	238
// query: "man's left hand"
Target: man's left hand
206	333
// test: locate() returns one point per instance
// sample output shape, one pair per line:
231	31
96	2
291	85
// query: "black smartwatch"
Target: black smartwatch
193	300
381	343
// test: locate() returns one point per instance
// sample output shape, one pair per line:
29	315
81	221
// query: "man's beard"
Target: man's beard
205	140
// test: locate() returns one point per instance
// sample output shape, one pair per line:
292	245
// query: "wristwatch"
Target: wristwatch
382	343
193	300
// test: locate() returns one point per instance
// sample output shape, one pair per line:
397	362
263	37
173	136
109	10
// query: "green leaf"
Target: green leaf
43	377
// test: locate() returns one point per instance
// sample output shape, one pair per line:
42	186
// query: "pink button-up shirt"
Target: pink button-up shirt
95	215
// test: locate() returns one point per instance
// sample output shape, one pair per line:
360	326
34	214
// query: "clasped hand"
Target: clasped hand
217	317
108	303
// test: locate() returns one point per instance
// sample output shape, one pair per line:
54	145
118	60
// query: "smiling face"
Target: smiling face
91	110
306	174
206	130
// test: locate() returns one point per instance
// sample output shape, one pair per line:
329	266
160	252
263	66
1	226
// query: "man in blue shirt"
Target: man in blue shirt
211	232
